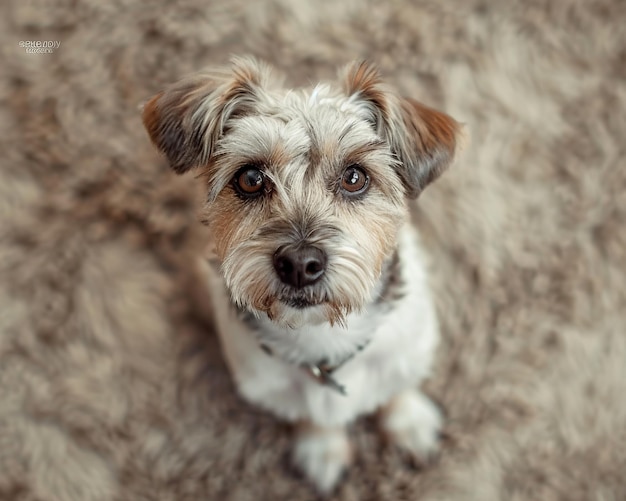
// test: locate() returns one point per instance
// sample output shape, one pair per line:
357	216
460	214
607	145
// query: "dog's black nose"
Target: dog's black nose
299	266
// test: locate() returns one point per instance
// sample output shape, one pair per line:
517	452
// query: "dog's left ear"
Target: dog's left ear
424	140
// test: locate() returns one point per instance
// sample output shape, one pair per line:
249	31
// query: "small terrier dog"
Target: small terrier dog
316	275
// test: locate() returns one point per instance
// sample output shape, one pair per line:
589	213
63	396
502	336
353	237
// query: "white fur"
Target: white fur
398	357
413	422
322	454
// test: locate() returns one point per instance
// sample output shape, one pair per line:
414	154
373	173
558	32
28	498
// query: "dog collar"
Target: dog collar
322	372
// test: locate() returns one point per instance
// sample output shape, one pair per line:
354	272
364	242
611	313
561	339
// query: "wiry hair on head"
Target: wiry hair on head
303	147
186	120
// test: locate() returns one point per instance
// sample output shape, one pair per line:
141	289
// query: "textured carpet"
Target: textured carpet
112	386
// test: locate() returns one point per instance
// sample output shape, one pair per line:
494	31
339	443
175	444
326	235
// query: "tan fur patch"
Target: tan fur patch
364	78
432	129
151	117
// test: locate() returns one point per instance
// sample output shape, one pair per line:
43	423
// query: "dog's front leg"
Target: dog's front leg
413	422
322	454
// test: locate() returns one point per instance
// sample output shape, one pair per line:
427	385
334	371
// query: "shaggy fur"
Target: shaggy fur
111	387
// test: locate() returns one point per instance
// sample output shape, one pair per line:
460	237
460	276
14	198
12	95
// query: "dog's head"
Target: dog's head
307	189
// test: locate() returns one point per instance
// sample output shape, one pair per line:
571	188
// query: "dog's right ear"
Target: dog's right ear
187	119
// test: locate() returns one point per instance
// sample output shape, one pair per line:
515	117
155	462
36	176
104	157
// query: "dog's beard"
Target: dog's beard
346	286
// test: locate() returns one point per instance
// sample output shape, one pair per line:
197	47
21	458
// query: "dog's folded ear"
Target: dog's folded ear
187	119
423	140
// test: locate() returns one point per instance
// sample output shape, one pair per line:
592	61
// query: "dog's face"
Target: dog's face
307	189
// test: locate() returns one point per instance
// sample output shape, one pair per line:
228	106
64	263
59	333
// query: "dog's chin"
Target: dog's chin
296	312
294	309
299	303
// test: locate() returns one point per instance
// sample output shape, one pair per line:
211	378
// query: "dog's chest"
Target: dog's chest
397	351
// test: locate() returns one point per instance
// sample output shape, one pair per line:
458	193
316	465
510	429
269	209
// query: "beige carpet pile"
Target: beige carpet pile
112	386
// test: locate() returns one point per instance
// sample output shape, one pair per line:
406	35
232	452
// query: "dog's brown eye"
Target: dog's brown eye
354	180
250	180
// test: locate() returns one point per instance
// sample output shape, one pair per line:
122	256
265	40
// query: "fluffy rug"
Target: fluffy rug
112	386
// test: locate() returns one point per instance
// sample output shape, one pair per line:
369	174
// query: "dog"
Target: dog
317	277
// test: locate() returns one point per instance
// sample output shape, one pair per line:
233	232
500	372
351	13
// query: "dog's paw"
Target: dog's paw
322	455
413	422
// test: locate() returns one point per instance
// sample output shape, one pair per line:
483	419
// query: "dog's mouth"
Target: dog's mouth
295	308
301	301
